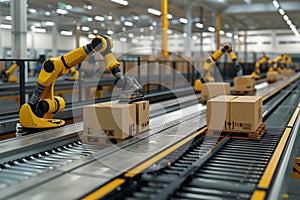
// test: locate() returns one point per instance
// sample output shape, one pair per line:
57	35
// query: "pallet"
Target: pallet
246	135
242	92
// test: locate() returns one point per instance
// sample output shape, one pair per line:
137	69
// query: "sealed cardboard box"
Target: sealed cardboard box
245	113
244	83
272	77
218	112
287	72
242	113
110	119
210	90
142	115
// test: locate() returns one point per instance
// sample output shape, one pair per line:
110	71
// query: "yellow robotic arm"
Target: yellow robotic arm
275	64
75	74
42	105
261	61
210	61
8	74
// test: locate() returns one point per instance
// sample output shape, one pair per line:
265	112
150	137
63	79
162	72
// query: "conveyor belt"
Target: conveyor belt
233	171
189	124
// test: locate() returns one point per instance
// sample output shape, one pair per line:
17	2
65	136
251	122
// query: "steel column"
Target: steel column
165	27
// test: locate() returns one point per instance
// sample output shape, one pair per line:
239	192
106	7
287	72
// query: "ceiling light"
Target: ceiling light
123	28
242	38
184	34
135	40
183	20
276	4
31	10
99	18
69	7
194	37
5	26
90	19
248	40
154	23
95	31
123	39
289	22
109	17
89	7
152	37
85	28
130	35
49	23
221	32
142	30
136	17
122	2
39	30
199	25
91	36
9	18
102	25
68	33
169	16
211	29
285	17
151	28
127	23
229	34
110	32
154	11
61	11
169	32
281	11
47	13
236	37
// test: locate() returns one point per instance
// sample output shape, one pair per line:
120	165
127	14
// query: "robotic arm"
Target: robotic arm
216	56
8	74
42	105
210	61
261	61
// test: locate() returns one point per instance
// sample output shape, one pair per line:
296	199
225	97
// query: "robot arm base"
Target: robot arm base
29	120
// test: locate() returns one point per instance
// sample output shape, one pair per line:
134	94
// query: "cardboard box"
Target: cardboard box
243	113
142	116
244	83
110	119
210	90
287	72
272	77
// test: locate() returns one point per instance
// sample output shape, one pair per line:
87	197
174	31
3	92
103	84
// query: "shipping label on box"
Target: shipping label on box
110	119
95	140
142	115
244	83
210	90
242	113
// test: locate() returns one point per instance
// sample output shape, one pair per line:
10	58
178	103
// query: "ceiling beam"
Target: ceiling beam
260	7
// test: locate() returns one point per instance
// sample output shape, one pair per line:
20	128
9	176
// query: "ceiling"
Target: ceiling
235	14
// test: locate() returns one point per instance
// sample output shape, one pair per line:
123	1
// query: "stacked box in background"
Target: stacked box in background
272	77
244	83
287	72
210	90
113	120
242	113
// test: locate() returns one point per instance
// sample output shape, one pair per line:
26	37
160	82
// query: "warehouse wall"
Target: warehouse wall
269	41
